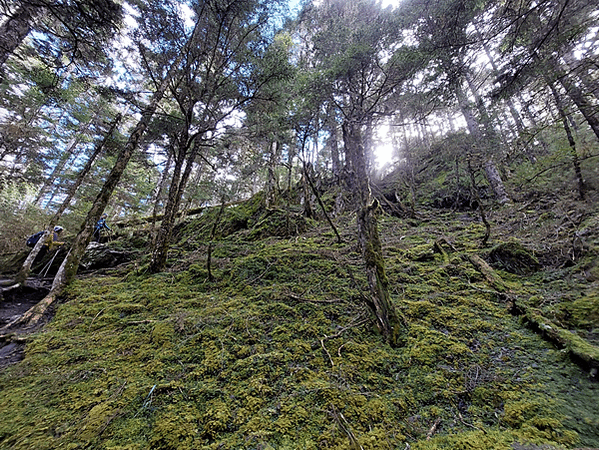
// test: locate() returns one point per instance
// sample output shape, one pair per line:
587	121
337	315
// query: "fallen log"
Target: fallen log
583	353
490	275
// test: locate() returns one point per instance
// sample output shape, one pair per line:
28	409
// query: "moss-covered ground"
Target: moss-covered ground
278	352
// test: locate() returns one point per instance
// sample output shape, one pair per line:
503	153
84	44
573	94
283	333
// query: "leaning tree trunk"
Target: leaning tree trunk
583	71
575	160
70	152
178	183
68	269
69	266
379	300
491	171
14	31
49	181
588	110
26	268
317	195
578	96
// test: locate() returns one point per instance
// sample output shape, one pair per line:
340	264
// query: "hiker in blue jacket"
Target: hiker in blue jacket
100	225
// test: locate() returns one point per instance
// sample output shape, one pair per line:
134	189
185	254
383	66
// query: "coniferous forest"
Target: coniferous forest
326	224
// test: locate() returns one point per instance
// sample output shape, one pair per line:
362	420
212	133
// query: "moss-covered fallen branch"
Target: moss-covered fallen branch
490	275
581	351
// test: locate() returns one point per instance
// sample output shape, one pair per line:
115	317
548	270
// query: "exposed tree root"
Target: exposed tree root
8	288
433	429
32	316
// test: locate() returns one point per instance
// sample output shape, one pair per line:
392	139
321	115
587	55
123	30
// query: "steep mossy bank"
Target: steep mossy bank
280	353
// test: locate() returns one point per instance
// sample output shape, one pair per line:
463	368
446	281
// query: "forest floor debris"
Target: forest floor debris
278	351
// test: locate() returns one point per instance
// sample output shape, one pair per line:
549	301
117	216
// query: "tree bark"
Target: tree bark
14	31
578	96
26	268
68	269
492	174
178	183
575	161
379	300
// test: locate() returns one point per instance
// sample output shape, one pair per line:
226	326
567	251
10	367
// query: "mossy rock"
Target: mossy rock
583	312
279	223
513	257
99	256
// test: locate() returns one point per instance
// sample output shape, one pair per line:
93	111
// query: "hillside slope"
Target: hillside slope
279	352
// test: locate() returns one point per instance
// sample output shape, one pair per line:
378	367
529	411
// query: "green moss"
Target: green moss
584	312
513	257
175	429
280	352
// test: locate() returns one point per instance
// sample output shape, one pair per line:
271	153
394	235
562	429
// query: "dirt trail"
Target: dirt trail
13	304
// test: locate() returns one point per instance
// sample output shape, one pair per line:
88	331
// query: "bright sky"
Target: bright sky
393	3
293	4
385	152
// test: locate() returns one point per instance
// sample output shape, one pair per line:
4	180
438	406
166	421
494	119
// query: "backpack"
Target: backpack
32	240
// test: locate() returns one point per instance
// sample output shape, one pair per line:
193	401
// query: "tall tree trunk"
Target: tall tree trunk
26	268
160	246
379	300
333	141
272	182
535	124
49	181
195	183
14	31
178	183
158	194
510	104
583	72
308	211
423	131
65	157
69	266
578	96
575	161
491	171
493	138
